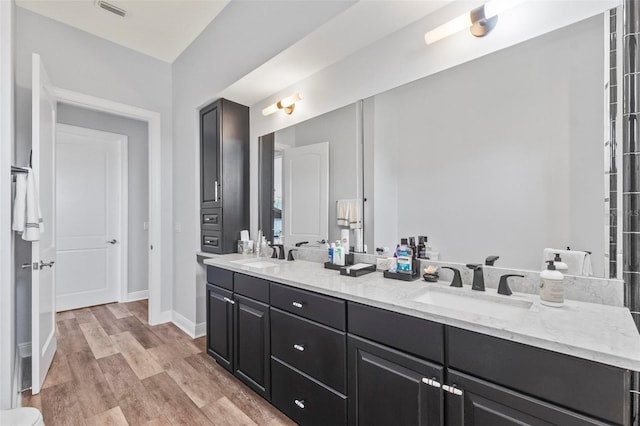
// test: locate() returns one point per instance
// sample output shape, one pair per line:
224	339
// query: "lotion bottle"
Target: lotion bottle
551	286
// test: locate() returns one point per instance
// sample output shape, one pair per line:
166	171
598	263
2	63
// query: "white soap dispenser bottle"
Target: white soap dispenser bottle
560	265
551	286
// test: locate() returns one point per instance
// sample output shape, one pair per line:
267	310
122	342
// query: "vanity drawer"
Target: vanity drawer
211	219
305	400
588	387
252	287
211	241
409	334
220	277
323	309
303	343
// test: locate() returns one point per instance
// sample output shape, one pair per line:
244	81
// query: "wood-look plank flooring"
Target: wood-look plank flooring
113	368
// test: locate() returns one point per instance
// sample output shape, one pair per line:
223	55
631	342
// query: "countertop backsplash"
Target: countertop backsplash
584	289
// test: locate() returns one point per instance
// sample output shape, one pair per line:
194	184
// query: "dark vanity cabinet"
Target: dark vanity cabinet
224	175
238	335
503	382
322	360
308	356
388	385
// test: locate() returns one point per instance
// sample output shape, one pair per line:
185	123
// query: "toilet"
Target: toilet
23	416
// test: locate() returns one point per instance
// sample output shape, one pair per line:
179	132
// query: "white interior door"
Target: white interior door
90	207
306	193
43	252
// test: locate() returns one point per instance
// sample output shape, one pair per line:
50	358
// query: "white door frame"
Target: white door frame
8	359
123	141
155	208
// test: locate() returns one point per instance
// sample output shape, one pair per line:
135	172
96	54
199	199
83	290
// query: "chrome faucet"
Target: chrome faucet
478	277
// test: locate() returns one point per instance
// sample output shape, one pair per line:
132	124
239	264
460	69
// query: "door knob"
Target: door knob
112	241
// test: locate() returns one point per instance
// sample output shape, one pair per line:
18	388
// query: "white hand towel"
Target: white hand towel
34	225
20	203
355	214
578	262
342	212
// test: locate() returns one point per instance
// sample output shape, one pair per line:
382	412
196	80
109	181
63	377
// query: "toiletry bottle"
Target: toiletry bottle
551	286
560	265
421	247
338	254
427	248
332	251
404	256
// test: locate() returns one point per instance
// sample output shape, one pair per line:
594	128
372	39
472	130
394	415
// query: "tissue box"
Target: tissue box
245	247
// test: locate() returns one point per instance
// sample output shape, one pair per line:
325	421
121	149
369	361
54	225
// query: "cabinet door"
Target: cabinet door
386	387
220	326
481	403
210	164
252	344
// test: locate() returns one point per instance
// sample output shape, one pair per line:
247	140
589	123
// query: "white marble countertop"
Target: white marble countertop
601	333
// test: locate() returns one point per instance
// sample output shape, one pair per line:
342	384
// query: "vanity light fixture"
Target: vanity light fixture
287	104
480	21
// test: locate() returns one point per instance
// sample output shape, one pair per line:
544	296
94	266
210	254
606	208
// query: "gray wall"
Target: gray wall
138	154
339	128
501	155
78	61
243	36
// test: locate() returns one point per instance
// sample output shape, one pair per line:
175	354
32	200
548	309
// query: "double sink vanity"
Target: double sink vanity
328	349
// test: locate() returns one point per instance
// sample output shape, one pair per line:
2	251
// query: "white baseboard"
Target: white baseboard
137	295
24	350
184	324
165	316
201	329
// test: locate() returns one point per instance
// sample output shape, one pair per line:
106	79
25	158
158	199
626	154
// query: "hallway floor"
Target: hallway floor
112	368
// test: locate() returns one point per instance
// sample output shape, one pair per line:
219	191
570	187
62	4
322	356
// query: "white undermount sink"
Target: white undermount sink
252	263
487	305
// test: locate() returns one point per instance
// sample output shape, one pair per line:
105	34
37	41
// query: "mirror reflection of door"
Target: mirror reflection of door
306	193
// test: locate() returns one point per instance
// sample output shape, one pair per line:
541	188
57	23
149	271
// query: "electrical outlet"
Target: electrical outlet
178	227
145	226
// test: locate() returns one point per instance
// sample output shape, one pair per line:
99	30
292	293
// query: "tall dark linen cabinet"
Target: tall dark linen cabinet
224	175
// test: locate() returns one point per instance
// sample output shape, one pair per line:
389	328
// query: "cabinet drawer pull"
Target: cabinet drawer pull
452	389
299	403
298	347
432	382
226	299
297	304
215	191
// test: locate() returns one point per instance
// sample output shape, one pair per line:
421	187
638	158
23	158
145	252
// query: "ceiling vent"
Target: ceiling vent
111	8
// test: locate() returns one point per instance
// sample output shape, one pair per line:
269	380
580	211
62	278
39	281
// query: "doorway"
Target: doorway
152	244
92	215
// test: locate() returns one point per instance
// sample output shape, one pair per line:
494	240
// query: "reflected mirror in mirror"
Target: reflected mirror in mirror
306	172
502	155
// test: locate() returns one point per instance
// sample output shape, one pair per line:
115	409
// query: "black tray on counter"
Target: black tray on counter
329	265
401	276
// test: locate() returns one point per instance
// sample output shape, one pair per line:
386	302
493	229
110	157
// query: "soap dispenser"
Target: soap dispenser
560	265
551	286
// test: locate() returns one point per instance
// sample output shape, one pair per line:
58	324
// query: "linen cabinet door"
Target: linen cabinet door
210	156
388	387
252	344
220	325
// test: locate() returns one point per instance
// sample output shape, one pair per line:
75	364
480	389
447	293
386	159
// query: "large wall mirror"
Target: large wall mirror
503	155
